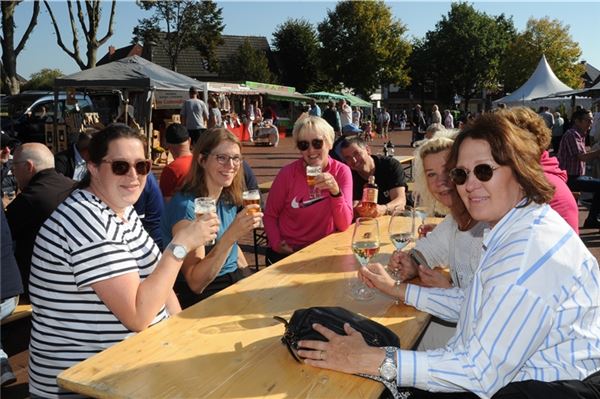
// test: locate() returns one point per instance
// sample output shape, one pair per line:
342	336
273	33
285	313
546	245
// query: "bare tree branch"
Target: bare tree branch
109	32
74	55
32	23
80	16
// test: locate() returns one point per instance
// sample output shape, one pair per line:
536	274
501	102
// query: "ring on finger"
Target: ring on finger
320	355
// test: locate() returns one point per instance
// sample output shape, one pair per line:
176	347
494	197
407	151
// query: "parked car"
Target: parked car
24	115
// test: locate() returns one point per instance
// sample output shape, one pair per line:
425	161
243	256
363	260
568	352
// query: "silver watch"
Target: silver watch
179	251
388	369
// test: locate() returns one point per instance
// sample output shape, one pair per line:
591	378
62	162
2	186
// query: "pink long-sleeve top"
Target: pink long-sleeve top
288	217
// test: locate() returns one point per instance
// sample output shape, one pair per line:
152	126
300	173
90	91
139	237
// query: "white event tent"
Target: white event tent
542	83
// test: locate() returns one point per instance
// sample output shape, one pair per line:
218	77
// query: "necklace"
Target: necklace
465	227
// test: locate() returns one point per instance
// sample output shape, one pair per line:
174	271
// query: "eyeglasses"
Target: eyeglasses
121	168
303	145
483	172
224	159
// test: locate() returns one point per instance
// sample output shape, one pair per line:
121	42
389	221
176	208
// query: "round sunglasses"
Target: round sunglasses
483	172
303	145
121	168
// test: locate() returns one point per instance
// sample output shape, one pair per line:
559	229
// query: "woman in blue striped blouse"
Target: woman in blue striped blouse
530	322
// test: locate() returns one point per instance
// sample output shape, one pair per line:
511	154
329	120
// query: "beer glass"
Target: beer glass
251	197
365	245
204	205
311	176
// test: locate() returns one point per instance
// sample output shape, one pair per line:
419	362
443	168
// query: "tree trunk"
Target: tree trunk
9	52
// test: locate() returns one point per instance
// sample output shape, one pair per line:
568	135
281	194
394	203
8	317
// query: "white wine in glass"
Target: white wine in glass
365	245
402	227
402	232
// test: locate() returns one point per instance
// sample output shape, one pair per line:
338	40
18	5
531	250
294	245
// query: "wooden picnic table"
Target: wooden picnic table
228	346
407	163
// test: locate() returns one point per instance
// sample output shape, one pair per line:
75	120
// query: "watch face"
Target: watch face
388	371
179	251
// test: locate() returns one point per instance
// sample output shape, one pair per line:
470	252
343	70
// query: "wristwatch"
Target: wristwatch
388	369
178	251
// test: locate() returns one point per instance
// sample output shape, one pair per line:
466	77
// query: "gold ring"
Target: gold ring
320	355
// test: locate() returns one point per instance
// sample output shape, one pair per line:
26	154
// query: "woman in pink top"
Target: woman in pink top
292	218
563	201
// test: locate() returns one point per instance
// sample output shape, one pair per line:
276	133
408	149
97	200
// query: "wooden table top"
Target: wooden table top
228	346
404	158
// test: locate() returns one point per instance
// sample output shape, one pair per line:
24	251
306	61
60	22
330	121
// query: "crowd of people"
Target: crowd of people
104	250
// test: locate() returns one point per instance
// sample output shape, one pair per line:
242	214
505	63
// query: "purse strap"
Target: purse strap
281	320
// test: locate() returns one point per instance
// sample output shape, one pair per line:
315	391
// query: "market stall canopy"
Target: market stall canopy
231	88
324	96
130	73
542	83
277	92
357	101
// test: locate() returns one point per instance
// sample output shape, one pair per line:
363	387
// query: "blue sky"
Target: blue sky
262	18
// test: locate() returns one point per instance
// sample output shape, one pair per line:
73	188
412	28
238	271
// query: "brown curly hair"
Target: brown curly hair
530	121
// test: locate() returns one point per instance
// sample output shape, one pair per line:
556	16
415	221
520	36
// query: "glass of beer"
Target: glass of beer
251	197
204	205
311	176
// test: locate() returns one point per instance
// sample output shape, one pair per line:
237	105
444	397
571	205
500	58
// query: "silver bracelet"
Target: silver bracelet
397	285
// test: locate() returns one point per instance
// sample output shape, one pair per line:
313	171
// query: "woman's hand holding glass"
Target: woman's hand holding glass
375	275
200	231
246	220
325	181
403	266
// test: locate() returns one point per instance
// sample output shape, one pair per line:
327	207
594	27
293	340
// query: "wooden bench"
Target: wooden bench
20	312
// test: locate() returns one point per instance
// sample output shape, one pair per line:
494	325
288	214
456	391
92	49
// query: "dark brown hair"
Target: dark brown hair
98	147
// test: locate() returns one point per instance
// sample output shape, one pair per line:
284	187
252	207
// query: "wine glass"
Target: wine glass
365	245
421	210
401	230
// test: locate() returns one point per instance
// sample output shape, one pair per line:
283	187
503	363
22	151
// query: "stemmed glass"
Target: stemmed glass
365	245
401	230
420	209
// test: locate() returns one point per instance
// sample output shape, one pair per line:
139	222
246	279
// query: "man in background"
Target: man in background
572	157
72	162
42	190
388	172
194	115
178	144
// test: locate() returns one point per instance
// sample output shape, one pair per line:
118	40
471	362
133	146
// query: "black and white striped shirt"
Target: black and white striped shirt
81	243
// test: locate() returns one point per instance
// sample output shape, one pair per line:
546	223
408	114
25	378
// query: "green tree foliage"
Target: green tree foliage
363	46
542	37
43	80
10	81
465	51
89	30
186	23
248	64
297	45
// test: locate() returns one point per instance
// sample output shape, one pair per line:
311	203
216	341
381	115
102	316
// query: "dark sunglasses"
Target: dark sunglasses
303	145
121	168
483	172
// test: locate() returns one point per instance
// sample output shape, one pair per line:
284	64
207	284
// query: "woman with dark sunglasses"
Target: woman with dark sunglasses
293	219
529	323
216	172
96	275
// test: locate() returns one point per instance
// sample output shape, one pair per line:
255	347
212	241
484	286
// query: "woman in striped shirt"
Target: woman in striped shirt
529	325
96	275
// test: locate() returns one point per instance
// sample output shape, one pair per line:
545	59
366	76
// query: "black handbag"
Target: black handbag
300	327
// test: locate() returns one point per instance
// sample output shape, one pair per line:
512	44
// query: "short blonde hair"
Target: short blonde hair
315	123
